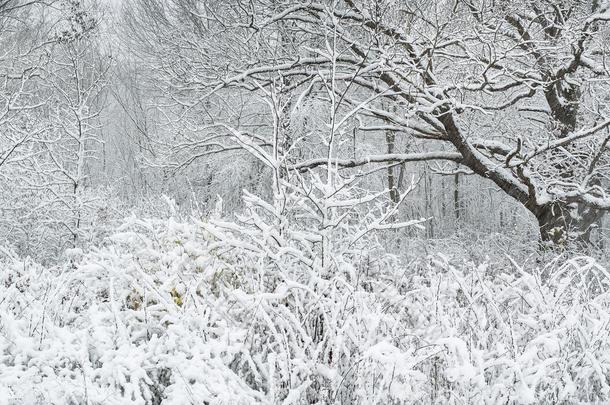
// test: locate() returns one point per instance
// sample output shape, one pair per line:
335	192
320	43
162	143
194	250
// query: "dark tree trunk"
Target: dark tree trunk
560	223
553	223
457	206
390	138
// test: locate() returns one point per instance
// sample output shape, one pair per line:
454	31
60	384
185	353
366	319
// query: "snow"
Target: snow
109	327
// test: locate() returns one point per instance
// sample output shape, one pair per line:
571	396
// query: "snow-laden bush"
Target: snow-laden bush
242	312
296	301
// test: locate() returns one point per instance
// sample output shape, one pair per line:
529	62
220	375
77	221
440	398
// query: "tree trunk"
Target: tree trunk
390	138
559	223
553	223
457	206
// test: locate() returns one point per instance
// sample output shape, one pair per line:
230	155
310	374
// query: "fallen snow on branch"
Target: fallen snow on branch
179	313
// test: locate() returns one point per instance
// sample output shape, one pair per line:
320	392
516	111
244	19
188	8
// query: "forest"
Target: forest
304	202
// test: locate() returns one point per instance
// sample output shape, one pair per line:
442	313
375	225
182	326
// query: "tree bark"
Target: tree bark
553	223
560	223
457	205
390	138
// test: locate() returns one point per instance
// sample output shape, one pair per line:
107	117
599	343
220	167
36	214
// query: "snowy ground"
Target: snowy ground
177	313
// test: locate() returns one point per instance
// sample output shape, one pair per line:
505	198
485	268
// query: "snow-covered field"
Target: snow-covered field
179	313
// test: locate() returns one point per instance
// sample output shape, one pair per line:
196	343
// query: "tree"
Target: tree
511	91
51	130
78	81
23	38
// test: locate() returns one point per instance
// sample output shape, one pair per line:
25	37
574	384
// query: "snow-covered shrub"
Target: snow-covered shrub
119	326
296	301
171	312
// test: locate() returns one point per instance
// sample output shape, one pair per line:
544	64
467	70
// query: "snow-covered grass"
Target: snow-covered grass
179	313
